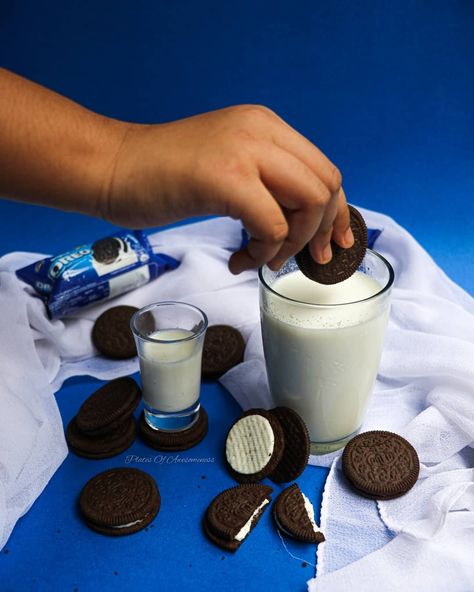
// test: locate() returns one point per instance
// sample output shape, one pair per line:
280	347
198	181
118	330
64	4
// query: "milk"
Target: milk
171	372
322	361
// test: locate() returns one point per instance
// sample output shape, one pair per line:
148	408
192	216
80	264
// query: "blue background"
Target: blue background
385	89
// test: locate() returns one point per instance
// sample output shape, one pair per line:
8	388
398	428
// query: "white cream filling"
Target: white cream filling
129	524
310	511
250	444
243	532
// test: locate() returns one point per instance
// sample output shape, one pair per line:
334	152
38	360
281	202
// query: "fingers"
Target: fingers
264	220
300	192
335	225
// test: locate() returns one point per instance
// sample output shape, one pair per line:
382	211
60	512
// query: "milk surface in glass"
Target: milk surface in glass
322	362
171	372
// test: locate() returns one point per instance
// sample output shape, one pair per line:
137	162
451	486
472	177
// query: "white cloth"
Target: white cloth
424	391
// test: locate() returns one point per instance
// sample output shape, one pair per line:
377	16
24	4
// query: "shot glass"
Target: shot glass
169	337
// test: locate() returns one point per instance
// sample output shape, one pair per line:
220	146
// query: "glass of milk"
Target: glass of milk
323	345
169	338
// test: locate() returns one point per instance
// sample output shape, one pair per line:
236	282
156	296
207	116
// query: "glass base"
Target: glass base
171	422
327	447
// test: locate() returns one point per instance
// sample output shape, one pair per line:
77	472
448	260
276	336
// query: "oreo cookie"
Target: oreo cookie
294	515
173	441
104	446
234	513
108	407
112	334
344	262
106	250
223	349
380	465
119	501
297	445
254	446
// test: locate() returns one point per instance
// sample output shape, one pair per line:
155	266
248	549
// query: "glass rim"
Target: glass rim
378	294
149	307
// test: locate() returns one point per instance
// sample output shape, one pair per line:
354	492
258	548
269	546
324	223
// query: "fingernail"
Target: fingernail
326	255
348	238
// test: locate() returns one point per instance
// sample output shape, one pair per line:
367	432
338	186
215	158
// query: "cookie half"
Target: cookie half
108	407
112	334
380	465
294	515
297	445
169	441
110	444
344	262
119	501
254	446
233	513
223	349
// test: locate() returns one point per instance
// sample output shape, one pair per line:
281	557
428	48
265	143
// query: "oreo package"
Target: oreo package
92	273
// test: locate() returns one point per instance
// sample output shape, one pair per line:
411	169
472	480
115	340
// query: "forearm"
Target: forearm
53	151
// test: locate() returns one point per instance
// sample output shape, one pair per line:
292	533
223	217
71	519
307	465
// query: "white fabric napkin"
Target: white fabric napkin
424	391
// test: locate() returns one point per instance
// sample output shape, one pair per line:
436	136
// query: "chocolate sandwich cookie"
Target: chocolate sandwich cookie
112	334
223	349
169	441
297	445
294	515
234	513
106	250
380	465
254	446
108	406
344	262
119	501
110	444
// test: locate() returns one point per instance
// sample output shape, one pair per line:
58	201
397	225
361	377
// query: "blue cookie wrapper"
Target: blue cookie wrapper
95	272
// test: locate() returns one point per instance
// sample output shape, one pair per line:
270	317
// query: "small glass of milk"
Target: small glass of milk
323	345
169	338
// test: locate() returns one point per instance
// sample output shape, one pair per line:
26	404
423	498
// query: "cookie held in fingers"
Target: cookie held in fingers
173	441
108	445
294	515
112	334
344	262
119	501
223	349
297	445
108	407
254	446
234	513
380	465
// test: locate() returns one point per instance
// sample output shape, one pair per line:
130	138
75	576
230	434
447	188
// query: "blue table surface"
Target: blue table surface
385	89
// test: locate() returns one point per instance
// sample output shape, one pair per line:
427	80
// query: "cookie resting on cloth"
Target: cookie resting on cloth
112	334
223	349
380	465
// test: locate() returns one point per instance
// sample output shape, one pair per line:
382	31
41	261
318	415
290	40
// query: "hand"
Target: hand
243	162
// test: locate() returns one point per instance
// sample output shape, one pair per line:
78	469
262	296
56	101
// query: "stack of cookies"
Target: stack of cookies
104	425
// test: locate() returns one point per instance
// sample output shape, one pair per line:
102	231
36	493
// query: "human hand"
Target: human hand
244	162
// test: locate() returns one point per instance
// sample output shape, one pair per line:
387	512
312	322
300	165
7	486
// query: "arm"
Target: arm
244	162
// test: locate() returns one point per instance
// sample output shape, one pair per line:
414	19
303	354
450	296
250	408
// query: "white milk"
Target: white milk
322	362
171	372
